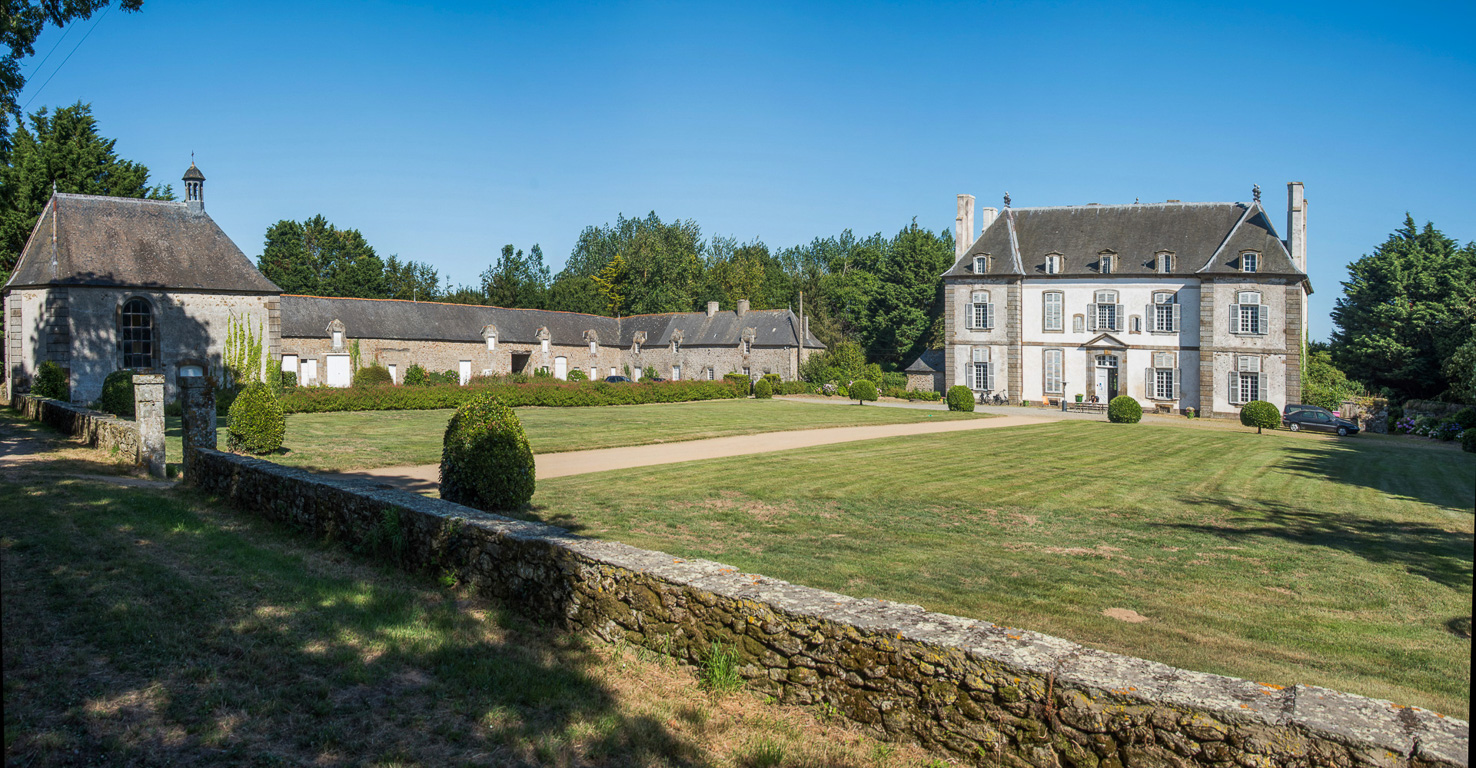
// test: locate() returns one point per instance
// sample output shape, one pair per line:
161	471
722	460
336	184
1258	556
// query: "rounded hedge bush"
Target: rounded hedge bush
51	381
763	390
1260	414
863	391
577	375
117	394
415	376
373	376
255	422
1466	417
485	459
960	398
1124	410
1468	441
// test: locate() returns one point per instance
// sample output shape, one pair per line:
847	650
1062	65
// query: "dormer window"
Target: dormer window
981	265
338	339
1249	261
676	346
1104	264
635	347
747	347
1165	263
1053	264
594	347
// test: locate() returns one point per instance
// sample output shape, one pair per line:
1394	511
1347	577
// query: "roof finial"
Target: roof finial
1135	200
1256	192
1007	199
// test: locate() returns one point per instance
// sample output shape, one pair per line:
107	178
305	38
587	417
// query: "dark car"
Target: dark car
617	380
1310	417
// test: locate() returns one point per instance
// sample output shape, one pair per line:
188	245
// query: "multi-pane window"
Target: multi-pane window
710	374
491	342
981	265
981	312
1106	313
1248	315
1053	264
1247	381
1104	263
1054	309
594	347
1249	261
1078	323
137	334
1165	312
981	378
747	347
1163	377
1165	263
1054	371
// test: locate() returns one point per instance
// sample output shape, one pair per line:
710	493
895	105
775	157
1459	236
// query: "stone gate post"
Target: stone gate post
148	414
197	399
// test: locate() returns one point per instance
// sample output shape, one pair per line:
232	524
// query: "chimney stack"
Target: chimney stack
712	308
986	218
742	307
963	226
1296	224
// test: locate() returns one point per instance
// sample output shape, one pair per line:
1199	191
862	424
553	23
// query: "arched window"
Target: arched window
136	334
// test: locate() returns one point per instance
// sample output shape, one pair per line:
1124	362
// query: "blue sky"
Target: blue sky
444	131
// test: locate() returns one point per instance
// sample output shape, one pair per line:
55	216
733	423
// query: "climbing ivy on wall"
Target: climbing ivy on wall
243	350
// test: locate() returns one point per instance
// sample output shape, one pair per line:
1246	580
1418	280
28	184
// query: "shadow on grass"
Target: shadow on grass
1440	478
141	628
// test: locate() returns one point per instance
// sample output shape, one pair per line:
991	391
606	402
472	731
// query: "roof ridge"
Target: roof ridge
1100	206
1228	235
80	196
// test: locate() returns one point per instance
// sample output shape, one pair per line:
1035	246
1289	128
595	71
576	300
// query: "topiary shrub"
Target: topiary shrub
1468	441
485	459
255	422
774	379
415	376
51	381
577	375
1260	414
1124	410
863	391
739	382
373	376
117	394
960	398
1466	417
763	390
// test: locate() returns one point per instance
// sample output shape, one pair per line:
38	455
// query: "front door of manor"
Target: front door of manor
1106	384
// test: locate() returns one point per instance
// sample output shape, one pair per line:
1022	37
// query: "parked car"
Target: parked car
617	380
1310	417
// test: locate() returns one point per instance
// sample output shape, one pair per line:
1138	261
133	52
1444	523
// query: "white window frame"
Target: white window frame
1053	365
747	347
1248	380
980	312
1164	263
1250	261
1162	380
491	343
711	374
981	265
676	373
1078	323
1105	310
594	347
1104	263
393	370
1250	316
338	339
1166	311
1053	300
1053	264
981	378
543	344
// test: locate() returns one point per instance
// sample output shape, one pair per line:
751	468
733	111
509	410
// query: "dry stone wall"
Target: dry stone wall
990	694
97	429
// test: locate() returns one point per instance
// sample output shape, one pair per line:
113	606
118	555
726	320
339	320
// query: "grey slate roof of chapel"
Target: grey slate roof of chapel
930	361
1203	237
128	242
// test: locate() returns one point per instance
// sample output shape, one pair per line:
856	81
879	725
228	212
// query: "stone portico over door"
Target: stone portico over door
1106	366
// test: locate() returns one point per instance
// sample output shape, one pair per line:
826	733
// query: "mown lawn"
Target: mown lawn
1277	557
337	442
144	627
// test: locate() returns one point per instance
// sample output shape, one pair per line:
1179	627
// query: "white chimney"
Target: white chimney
1296	224
742	307
986	218
963	226
712	308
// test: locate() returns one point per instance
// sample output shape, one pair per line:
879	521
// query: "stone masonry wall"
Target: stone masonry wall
991	694
97	429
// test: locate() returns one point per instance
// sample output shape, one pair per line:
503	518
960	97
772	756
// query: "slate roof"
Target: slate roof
1204	238
193	174
930	361
127	242
309	316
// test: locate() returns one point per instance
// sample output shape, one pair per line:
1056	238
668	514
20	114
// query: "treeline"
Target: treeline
883	293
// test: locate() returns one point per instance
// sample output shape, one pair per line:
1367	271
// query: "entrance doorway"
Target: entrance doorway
1106	378
339	373
561	367
520	362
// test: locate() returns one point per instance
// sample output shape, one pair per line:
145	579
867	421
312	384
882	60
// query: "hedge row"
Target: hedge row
912	394
554	394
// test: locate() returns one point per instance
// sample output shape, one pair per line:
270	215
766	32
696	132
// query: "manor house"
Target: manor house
1179	305
108	283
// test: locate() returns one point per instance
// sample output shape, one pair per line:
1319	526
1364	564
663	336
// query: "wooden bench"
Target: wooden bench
1087	407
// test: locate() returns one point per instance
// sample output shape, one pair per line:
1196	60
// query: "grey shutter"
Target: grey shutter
1234	387
1150	319
1235	318
1091	317
1264	319
989	376
1261	386
1150	389
989	315
1121	319
1176	382
1175	327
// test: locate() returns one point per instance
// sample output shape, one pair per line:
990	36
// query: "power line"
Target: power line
66	31
67	59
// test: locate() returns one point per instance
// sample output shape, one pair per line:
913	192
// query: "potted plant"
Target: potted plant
1079	397
1189	412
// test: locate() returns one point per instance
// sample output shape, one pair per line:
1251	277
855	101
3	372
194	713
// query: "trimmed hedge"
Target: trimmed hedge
255	422
117	394
739	381
960	398
1124	410
1260	414
374	375
912	394
1468	441
51	381
540	391
863	391
486	463
763	390
794	387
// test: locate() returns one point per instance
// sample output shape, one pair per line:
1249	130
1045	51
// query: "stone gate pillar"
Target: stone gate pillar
197	399
148	415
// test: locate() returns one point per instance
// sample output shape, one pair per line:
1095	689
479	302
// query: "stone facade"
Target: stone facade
985	693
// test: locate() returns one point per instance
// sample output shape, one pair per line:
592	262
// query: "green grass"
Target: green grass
1277	557
146	627
337	442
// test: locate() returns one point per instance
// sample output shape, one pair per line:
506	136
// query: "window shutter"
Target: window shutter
1176	383
1261	386
1150	384
989	315
1175	327
1150	319
1121	318
1091	317
989	378
1265	319
1234	388
1235	318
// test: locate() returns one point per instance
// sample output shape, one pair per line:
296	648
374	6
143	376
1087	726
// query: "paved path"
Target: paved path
1048	414
426	477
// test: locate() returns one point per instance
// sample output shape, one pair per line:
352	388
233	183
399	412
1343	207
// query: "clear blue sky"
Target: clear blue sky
444	133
